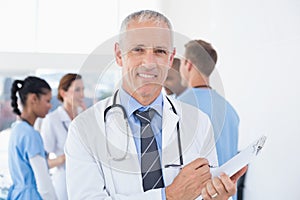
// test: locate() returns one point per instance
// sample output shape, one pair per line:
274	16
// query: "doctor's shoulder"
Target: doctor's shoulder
92	115
89	125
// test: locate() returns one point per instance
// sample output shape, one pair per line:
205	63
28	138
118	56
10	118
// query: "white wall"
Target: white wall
258	44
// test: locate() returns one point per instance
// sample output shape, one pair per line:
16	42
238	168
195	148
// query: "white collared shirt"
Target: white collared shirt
54	131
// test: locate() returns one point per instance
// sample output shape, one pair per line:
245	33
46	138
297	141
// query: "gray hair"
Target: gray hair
144	16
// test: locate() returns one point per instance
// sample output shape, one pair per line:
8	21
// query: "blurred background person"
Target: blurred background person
196	67
54	128
172	85
7	117
27	158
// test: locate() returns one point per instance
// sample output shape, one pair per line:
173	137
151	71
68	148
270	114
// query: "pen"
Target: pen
173	166
181	166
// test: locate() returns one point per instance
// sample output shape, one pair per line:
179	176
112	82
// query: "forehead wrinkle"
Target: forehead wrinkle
148	34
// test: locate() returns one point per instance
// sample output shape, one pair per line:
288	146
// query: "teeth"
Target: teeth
147	75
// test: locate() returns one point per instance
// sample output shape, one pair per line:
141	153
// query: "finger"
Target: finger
205	177
219	186
197	163
202	174
205	194
228	184
240	173
204	169
211	190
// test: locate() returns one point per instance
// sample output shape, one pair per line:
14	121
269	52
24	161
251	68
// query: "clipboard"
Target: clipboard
240	160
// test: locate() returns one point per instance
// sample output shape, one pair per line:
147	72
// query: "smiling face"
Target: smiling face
146	54
75	93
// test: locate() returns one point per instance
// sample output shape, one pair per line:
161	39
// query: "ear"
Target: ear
32	98
189	65
62	93
118	54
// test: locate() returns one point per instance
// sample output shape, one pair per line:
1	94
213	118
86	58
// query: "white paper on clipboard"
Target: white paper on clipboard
241	159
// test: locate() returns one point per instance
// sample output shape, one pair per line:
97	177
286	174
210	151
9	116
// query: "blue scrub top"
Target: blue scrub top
24	143
224	119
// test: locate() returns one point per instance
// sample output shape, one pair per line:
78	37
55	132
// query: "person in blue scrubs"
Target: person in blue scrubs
196	67
27	157
199	63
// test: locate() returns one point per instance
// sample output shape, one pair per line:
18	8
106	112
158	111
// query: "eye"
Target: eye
138	50
161	51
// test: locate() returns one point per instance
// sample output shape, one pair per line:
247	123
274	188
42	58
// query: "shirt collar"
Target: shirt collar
131	105
63	114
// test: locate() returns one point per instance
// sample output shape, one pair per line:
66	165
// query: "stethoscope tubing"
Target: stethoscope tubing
126	120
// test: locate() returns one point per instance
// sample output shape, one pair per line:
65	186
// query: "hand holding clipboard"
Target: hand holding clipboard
241	159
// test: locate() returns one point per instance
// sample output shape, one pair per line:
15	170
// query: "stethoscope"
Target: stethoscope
115	105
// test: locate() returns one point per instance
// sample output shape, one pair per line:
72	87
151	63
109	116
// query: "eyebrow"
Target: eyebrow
155	47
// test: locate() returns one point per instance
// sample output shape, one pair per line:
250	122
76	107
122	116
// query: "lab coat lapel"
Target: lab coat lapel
170	152
128	167
120	176
64	118
169	123
169	133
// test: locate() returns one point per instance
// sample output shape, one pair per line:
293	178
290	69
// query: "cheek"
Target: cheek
43	109
180	70
165	71
128	72
69	98
182	74
75	94
47	107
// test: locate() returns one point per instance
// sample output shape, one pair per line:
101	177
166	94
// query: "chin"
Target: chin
42	116
148	90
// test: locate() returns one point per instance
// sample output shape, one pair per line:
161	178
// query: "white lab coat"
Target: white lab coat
92	174
54	131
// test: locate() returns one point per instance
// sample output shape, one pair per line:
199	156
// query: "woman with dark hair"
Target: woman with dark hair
27	157
54	127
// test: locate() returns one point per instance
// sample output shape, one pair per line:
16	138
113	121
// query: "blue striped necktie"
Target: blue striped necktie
150	160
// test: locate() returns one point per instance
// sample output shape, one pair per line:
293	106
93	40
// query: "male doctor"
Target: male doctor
164	151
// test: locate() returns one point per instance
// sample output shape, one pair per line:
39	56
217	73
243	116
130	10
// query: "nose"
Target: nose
82	93
149	58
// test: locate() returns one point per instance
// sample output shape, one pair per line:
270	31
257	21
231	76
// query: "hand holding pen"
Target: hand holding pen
190	181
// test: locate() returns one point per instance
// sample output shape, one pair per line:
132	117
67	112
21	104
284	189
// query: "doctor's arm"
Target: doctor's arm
85	177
